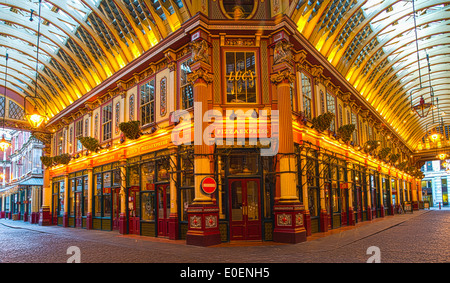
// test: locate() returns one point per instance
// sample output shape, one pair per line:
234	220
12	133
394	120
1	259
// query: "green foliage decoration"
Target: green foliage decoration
345	132
131	129
384	152
370	146
47	161
62	159
394	157
90	143
323	121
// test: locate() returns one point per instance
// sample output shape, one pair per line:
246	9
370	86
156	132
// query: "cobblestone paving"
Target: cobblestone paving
421	237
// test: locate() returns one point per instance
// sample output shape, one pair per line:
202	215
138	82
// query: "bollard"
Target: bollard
439	205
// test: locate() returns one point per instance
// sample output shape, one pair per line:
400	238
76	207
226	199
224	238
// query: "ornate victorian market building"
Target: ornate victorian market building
296	136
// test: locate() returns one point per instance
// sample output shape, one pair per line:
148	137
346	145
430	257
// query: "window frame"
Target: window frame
151	103
310	98
75	135
257	75
181	75
103	123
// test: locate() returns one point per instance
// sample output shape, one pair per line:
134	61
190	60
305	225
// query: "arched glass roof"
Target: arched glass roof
374	46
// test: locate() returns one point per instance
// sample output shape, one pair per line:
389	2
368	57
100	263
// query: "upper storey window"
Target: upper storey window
187	92
241	77
107	122
147	102
307	96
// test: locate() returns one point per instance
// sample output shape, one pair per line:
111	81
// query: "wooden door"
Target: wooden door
163	200
78	209
245	210
133	215
116	207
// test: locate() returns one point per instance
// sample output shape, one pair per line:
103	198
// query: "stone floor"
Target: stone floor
420	237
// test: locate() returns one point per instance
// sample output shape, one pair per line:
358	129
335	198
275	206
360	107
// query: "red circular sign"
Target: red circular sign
208	185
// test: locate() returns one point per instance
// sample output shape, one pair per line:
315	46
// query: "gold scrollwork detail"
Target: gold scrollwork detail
200	74
282	76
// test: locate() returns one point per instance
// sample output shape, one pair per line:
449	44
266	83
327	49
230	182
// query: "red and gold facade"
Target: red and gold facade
262	70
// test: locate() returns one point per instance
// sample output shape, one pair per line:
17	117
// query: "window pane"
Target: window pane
241	77
187	197
148	206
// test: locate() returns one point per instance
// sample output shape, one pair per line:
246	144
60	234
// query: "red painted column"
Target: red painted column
45	217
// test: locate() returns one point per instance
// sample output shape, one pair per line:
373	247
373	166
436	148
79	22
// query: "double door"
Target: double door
245	210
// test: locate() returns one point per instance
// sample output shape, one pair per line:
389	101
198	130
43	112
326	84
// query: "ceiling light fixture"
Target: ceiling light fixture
35	118
4	144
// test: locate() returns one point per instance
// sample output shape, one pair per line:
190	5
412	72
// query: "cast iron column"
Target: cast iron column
289	225
203	213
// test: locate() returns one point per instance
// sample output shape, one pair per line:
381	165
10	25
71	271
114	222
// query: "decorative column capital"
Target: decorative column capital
283	76
199	74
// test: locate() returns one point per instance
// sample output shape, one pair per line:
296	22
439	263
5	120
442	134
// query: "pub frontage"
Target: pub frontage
240	101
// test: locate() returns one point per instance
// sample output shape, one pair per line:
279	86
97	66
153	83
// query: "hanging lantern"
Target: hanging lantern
442	156
35	119
4	144
422	109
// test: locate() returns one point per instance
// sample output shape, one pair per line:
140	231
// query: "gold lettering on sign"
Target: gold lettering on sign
242	76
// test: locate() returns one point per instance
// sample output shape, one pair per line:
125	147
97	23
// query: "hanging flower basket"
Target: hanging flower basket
370	146
90	143
394	157
323	121
62	159
47	161
131	129
384	153
345	132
